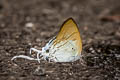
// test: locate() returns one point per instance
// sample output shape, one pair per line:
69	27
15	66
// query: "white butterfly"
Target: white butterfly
65	47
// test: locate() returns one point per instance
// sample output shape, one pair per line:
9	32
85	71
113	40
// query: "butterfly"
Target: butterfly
64	47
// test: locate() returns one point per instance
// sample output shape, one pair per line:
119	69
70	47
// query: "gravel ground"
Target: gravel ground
32	23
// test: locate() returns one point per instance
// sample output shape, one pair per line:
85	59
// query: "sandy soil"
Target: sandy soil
101	38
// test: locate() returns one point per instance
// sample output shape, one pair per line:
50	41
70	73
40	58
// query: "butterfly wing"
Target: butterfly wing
69	32
67	45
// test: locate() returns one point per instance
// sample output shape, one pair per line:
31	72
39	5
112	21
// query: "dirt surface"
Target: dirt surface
32	23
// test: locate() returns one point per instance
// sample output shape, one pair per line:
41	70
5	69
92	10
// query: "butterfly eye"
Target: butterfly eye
47	51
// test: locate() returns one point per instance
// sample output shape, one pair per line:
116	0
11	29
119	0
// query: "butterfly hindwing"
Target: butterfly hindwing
69	32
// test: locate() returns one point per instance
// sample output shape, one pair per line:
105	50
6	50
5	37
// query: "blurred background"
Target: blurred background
32	23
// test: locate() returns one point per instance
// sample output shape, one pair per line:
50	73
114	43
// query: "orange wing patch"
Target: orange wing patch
69	31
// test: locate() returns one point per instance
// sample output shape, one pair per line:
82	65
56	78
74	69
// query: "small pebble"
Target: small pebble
29	25
39	71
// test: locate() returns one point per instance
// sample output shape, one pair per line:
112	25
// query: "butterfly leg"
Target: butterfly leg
36	50
27	57
23	56
38	53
